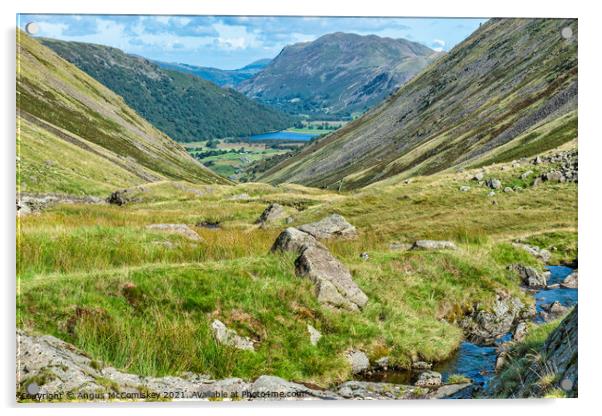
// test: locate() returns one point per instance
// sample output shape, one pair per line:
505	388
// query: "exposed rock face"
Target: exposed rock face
520	332
226	336
181	229
333	226
433	245
485	326
530	276
429	379
571	281
399	246
314	335
334	284
358	360
552	311
557	358
272	213
540	253
295	241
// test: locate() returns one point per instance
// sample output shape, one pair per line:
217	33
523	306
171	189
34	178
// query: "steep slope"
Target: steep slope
76	136
338	73
185	107
220	77
509	90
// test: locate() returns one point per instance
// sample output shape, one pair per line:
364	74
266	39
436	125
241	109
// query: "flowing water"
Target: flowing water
477	362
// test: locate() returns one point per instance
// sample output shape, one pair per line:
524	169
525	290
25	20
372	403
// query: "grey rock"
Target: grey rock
240	197
450	391
493	183
181	229
434	245
536	182
491	193
334	284
399	246
478	176
540	253
421	365
571	281
508	189
364	256
520	332
314	335
382	363
272	213
530	276
333	226
295	241
526	174
553	176
429	379
229	337
358	360
464	188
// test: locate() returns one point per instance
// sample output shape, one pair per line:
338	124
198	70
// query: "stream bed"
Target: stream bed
477	362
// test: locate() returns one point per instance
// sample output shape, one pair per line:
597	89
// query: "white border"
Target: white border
590	129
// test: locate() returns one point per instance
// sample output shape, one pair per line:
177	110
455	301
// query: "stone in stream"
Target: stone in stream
358	360
421	365
333	226
530	276
429	379
553	311
229	337
434	245
571	281
272	213
334	284
520	332
181	229
314	335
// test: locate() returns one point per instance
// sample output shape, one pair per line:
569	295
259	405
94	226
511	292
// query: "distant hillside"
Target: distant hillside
183	106
221	77
509	90
77	137
338	73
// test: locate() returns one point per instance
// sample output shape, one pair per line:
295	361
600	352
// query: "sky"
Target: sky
230	42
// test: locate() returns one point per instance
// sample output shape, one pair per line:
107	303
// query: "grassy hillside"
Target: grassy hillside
77	137
337	74
154	295
509	90
185	107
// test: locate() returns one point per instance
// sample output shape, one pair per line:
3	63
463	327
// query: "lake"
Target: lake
283	135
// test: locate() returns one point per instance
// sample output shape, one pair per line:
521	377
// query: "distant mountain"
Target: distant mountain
338	73
75	136
507	91
183	106
220	77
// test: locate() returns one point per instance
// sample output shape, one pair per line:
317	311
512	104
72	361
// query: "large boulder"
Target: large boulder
358	360
229	337
333	226
571	281
181	229
433	245
530	276
295	241
272	213
334	284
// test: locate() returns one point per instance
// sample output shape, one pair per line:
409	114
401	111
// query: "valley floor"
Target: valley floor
143	300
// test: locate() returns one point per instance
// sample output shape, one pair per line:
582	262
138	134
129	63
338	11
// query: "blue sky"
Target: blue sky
230	42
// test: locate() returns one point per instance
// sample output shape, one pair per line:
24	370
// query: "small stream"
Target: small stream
477	362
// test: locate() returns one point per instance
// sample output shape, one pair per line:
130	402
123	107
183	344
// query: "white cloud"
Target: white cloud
52	30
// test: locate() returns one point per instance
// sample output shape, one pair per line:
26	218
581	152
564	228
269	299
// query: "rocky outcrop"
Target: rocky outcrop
32	203
333	226
333	281
537	373
541	253
181	229
552	311
530	276
433	245
272	213
334	284
493	183
314	335
49	369
484	326
229	337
